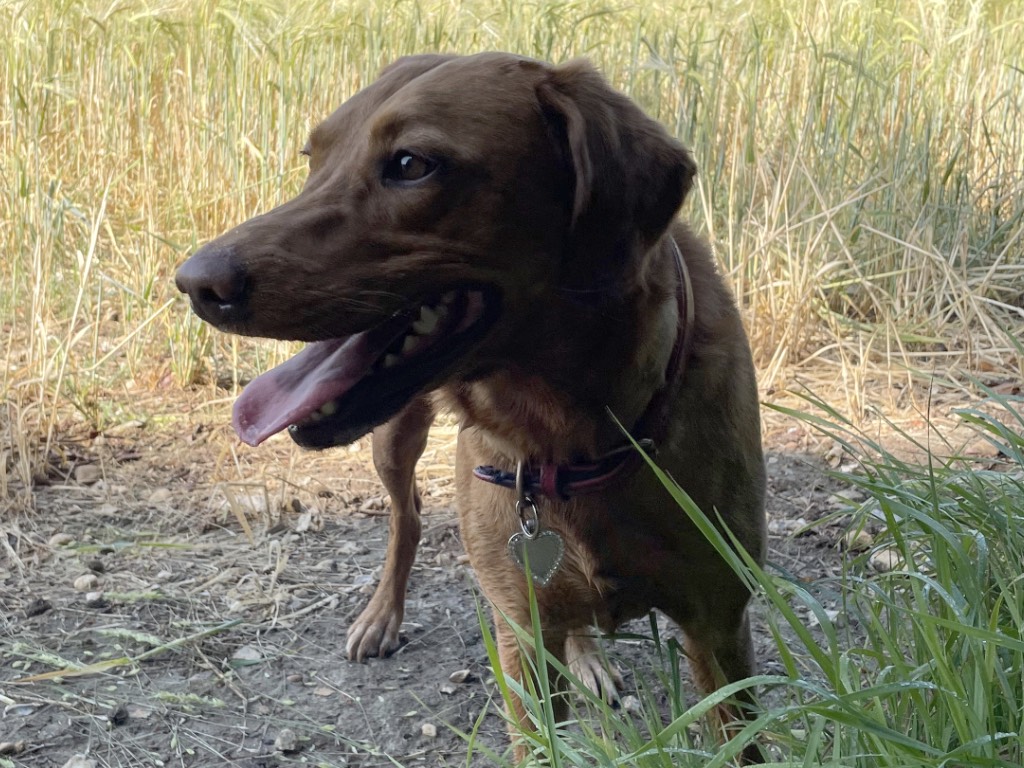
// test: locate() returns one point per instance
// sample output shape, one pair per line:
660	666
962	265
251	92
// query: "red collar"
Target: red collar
563	481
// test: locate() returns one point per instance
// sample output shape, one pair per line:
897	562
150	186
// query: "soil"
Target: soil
175	598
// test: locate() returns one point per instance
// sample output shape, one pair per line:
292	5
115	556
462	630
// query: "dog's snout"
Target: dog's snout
217	285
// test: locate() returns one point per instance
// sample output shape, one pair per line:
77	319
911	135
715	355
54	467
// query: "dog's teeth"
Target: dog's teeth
427	322
409	344
329	408
391	360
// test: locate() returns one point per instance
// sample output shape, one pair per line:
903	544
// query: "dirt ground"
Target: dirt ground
179	599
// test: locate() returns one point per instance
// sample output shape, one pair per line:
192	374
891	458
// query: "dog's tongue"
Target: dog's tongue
284	395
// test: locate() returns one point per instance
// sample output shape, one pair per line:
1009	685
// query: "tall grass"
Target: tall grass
922	665
862	165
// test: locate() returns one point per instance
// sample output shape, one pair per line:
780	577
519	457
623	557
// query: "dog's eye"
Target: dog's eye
408	166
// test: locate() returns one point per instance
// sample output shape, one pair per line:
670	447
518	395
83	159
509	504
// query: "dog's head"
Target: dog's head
440	196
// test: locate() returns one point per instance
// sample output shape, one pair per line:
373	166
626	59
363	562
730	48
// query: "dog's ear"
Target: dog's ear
411	67
630	175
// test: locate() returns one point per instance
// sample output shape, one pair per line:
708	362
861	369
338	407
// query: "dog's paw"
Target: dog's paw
587	665
375	632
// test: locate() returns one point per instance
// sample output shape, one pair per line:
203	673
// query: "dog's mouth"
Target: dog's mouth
334	392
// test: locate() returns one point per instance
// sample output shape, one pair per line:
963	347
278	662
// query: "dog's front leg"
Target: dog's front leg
514	666
725	654
397	446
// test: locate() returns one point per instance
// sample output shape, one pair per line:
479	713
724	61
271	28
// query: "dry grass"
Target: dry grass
862	176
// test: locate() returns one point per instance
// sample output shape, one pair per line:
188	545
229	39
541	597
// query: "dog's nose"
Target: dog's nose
217	285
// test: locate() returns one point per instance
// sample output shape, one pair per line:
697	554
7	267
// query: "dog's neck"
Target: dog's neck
554	406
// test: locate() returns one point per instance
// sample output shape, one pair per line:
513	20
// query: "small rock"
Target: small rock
294	677
164	575
630	704
832	616
247	654
834	455
61	539
330	564
12	747
460	676
21	710
37	606
87	474
87	582
856	541
286	741
847	495
447	689
80	761
347	548
96	566
94	600
119	716
372	504
982	448
886	560
159	496
787	527
429	730
310	520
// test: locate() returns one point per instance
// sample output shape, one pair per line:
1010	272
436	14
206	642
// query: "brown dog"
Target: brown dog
500	232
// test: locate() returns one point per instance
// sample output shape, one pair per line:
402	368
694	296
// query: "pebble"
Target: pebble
429	730
286	741
372	504
159	496
308	521
248	653
12	747
786	527
886	560
832	616
856	541
847	495
630	704
61	539
447	688
80	761
87	582
37	606
87	474
982	448
460	676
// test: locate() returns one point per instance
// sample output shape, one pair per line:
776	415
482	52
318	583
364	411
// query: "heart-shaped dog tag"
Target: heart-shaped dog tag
544	553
